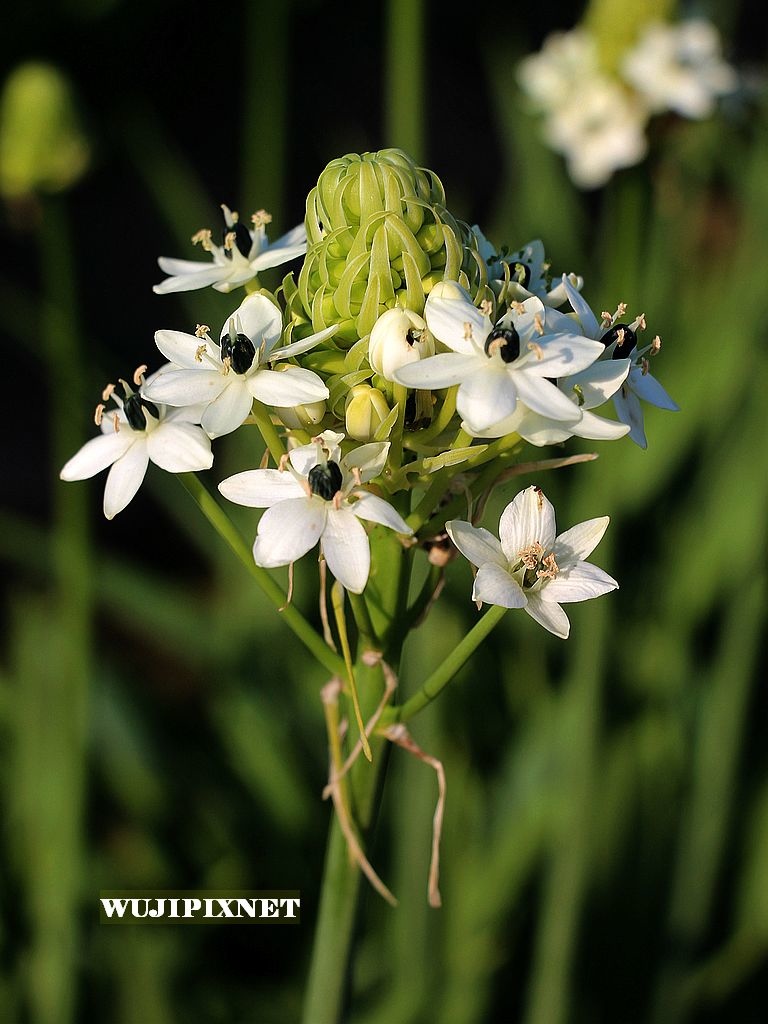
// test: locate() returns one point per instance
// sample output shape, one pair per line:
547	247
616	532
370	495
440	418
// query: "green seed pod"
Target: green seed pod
380	236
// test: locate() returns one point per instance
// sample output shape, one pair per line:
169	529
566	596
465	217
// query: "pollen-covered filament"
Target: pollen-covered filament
537	565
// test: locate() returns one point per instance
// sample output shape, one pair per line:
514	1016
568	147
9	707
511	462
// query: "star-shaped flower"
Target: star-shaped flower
528	270
228	376
241	256
133	434
620	343
529	567
495	365
317	495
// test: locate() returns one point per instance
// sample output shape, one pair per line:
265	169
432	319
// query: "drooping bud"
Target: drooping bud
398	337
366	410
380	236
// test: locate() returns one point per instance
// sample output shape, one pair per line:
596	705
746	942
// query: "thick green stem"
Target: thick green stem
293	618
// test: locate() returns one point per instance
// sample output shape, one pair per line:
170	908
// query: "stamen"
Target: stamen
98	415
282	465
645	366
486	307
202	331
116	422
517	307
468	332
655	345
138	374
531	555
229	240
550	568
537	323
106	394
200	351
533	346
261	218
203	238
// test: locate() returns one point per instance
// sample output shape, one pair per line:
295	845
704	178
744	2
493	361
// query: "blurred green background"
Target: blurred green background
605	856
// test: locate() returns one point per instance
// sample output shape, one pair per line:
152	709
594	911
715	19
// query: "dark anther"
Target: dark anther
242	239
521	273
412	336
505	341
241	351
325	480
134	406
627	343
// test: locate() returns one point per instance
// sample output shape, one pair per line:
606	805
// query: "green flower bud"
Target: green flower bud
303	417
41	145
380	236
366	410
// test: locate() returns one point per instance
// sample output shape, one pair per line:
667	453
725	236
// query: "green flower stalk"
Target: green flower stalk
379	235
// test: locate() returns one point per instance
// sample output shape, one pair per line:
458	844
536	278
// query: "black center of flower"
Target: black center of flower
242	239
134	406
505	341
412	336
521	273
240	351
626	343
325	480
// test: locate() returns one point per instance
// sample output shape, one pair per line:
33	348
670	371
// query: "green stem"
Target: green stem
404	96
268	432
452	664
227	530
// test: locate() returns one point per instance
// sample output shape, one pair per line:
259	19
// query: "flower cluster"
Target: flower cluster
596	110
408	357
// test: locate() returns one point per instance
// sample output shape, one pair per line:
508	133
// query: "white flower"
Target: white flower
679	67
240	258
133	434
398	337
228	376
529	271
495	366
530	568
620	341
317	496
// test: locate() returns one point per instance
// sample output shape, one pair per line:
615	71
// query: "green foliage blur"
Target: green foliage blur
605	856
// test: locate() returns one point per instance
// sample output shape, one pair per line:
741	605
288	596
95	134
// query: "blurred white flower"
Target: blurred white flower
228	376
680	68
318	496
529	567
134	434
241	256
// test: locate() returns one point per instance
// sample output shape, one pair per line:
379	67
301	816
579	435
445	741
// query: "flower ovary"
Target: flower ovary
240	350
505	341
134	406
624	336
242	239
325	480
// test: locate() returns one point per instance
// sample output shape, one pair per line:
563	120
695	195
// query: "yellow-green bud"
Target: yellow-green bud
41	145
302	417
366	410
399	337
379	236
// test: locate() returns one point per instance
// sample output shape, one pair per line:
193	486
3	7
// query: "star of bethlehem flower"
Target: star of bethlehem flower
133	434
497	366
680	68
620	343
528	271
317	495
228	376
528	566
241	256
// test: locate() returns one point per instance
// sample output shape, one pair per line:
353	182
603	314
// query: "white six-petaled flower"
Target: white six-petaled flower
228	376
528	566
242	255
317	495
134	434
495	365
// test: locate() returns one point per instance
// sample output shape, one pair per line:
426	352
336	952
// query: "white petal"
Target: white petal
629	410
288	530
189	282
440	371
598	428
561	355
229	409
545	398
125	477
494	585
97	454
597	383
181	350
648	388
457	323
550	616
376	510
579	582
586	317
185	387
476	543
369	458
346	549
528	519
487	395
292	386
175	267
261	488
580	541
258	319
296	348
179	447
